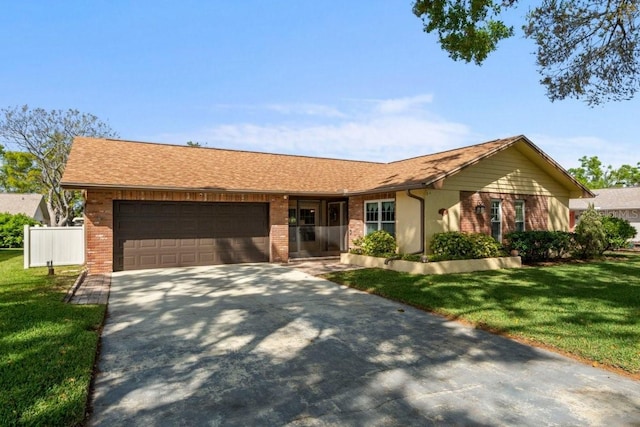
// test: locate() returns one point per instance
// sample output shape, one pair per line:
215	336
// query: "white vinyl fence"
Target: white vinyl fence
60	245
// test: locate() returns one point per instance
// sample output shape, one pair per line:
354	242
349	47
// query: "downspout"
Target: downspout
422	233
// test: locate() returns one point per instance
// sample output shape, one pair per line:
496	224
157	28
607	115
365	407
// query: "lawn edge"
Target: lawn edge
499	332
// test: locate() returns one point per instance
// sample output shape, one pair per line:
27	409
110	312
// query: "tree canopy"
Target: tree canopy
586	49
593	174
18	173
45	137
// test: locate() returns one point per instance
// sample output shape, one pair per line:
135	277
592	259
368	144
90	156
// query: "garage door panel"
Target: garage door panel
189	243
151	244
172	234
165	243
206	258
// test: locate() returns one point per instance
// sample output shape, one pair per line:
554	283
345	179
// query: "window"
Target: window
496	220
519	207
380	215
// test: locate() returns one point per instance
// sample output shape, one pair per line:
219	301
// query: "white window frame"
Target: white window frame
515	208
379	221
499	220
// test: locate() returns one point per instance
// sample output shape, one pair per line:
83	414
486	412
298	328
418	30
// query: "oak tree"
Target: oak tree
586	49
18	173
593	174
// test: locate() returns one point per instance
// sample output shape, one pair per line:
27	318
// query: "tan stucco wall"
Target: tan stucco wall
559	213
408	217
436	223
408	222
442	267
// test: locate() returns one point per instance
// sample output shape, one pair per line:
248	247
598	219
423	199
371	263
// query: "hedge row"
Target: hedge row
12	229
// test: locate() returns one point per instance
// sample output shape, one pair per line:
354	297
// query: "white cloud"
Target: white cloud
376	139
401	105
370	129
386	130
306	109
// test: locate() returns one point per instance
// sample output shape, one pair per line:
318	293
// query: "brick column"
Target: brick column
98	222
279	228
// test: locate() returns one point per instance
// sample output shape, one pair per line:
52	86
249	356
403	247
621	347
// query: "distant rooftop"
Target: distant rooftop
24	203
610	198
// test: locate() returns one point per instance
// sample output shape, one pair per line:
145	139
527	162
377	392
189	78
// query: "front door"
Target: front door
309	231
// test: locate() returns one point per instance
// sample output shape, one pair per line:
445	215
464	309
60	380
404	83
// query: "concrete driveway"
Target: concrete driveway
267	345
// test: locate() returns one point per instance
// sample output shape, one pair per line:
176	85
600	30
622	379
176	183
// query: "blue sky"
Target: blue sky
348	79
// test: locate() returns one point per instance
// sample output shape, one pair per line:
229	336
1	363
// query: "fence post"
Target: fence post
26	245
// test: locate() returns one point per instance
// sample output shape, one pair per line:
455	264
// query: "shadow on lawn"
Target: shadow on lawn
575	307
7	254
46	348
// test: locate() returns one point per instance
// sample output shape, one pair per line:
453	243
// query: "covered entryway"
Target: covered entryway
152	234
317	228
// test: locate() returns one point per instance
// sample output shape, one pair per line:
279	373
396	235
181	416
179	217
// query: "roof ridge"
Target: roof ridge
235	150
466	147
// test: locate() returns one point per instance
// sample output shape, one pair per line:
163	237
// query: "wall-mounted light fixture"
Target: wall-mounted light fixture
480	208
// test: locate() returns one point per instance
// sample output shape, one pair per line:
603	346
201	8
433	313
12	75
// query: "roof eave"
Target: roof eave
583	192
121	187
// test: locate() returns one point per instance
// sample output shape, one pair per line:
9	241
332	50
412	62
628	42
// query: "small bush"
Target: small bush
411	257
379	243
618	232
455	245
12	229
540	245
591	237
485	246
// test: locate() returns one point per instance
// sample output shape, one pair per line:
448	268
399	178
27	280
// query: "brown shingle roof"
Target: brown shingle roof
425	170
124	164
109	163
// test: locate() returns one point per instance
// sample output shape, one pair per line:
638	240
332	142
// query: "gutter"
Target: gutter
422	231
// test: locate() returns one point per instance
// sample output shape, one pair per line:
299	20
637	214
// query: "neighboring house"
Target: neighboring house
155	205
618	202
32	205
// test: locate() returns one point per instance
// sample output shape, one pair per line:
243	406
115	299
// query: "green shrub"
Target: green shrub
541	245
411	257
379	243
456	245
618	232
591	237
484	246
12	229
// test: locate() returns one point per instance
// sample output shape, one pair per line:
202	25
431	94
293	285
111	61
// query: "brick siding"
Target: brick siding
536	212
99	220
356	214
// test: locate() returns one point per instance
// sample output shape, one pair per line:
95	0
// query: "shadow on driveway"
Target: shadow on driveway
261	344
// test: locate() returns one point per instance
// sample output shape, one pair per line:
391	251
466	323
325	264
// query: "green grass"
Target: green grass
590	310
47	347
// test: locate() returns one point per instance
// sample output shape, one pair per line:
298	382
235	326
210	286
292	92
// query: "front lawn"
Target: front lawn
47	347
590	310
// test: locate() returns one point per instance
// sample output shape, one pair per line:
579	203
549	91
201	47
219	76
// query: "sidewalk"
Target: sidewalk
94	289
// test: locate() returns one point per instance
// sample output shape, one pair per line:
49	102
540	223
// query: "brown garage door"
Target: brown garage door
175	234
